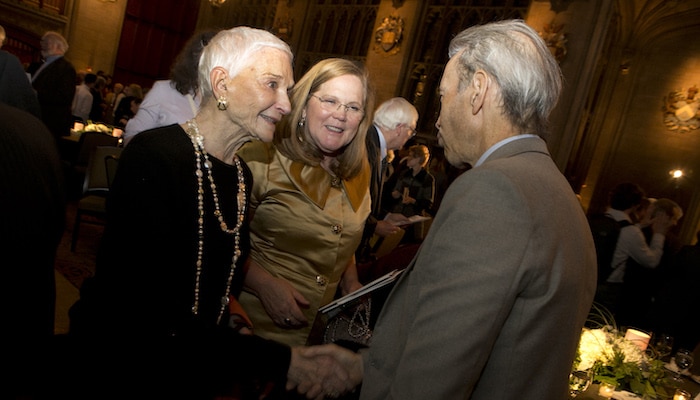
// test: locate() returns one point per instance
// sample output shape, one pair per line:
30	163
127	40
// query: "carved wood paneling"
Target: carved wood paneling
53	6
443	19
255	13
336	28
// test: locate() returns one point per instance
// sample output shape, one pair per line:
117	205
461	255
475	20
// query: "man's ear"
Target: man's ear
479	88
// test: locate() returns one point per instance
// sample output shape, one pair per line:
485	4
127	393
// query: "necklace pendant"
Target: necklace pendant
335	182
224	300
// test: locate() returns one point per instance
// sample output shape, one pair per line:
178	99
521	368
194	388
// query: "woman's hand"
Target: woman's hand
283	303
281	300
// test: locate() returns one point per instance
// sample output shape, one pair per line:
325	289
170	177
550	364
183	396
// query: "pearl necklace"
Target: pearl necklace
199	154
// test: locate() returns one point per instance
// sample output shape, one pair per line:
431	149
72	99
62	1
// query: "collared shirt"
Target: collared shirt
162	106
82	102
632	244
499	145
382	143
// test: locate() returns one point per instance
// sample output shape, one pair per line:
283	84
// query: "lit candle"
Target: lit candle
681	395
639	338
606	390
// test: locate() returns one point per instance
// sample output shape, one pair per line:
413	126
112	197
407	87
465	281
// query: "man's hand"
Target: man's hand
324	371
397	219
385	228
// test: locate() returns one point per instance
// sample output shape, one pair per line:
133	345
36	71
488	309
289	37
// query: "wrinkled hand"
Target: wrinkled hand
283	303
385	228
324	371
397	219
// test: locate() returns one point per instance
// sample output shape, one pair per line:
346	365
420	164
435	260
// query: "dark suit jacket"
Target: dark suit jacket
31	225
15	88
55	86
493	304
375	191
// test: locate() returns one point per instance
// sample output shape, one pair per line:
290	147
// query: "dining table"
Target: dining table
688	383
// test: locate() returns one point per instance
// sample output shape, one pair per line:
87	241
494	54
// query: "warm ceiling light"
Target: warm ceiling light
676	173
217	3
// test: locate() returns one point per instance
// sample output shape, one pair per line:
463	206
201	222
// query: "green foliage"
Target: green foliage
618	361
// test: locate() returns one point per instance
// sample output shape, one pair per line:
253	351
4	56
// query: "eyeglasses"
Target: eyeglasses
334	105
413	131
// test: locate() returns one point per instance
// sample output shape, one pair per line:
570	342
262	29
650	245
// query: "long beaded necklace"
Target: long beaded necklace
199	155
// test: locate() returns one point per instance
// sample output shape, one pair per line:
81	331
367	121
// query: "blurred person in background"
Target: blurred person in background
54	81
176	100
15	89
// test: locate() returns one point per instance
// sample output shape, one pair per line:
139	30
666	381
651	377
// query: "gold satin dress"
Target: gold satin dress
305	230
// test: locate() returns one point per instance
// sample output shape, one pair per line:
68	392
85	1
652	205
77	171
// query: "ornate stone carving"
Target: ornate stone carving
389	35
555	39
681	110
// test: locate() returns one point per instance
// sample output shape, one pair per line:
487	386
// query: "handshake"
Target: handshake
325	371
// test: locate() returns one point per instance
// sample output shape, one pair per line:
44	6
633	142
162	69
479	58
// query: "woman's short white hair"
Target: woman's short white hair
234	49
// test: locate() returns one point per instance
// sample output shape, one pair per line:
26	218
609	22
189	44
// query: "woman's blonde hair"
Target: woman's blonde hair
420	152
292	137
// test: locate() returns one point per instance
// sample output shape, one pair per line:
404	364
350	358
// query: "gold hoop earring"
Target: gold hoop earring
222	104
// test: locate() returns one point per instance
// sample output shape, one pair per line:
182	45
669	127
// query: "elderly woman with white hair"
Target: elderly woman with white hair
177	234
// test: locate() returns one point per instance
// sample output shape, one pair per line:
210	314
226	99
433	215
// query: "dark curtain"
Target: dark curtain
153	33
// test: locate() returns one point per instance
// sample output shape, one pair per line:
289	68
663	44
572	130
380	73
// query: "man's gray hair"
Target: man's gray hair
514	55
394	112
57	39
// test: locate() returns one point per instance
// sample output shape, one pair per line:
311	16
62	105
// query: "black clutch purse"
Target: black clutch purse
352	327
349	320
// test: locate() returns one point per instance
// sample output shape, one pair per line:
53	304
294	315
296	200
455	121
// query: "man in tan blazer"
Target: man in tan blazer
493	304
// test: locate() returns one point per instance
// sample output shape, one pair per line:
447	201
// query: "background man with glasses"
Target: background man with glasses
394	123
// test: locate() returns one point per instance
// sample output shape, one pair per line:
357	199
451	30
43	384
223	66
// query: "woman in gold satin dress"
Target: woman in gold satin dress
309	202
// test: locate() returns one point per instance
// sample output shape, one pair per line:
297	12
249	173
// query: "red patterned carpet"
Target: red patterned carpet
78	265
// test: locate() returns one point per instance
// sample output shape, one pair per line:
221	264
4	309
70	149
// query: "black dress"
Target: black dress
143	290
